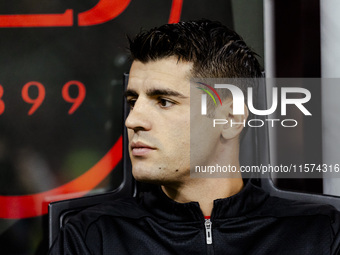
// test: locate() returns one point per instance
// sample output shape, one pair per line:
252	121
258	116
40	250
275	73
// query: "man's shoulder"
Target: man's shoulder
127	208
283	208
85	230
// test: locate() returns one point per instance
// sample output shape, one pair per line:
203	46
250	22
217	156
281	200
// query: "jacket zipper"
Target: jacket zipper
208	232
208	235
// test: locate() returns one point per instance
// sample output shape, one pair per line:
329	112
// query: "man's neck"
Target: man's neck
204	191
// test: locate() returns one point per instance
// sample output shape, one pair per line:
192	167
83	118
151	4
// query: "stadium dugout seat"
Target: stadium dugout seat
61	211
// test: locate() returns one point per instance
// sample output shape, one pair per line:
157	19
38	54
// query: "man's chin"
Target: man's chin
148	180
148	177
143	175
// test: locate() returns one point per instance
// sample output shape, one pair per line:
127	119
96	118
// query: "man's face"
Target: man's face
159	120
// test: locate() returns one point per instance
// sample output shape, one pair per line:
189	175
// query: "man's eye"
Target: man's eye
165	103
131	103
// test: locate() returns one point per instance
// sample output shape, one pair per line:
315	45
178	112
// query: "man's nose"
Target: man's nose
139	117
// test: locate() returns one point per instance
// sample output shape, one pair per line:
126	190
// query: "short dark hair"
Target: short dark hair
215	50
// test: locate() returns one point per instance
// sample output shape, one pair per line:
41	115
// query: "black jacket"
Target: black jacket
250	222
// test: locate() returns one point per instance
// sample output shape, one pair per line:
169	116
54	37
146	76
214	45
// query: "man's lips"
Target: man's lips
140	149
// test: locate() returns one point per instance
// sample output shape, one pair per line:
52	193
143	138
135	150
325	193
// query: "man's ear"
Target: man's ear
236	123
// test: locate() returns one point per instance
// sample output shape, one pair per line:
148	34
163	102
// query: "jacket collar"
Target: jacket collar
242	203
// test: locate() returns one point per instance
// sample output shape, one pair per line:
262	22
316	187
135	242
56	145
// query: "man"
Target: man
184	215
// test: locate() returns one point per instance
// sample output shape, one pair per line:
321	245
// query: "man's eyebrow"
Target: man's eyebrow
130	93
164	92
